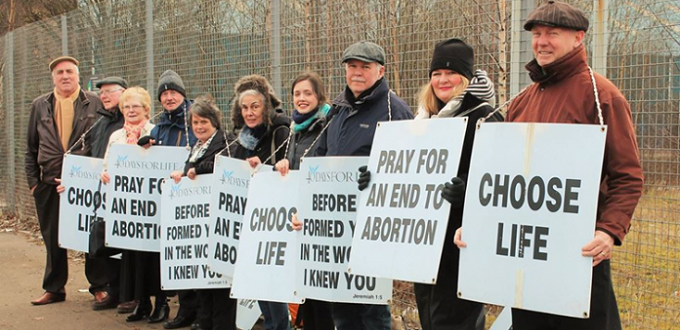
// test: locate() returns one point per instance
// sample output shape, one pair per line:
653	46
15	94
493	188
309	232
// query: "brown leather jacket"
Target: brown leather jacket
44	152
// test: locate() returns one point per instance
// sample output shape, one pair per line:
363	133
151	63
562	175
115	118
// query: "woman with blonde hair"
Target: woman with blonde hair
135	103
453	91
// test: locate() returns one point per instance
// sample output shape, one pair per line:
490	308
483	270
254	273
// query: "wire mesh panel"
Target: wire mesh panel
211	44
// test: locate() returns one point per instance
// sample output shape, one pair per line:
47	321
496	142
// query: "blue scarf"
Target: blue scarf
302	121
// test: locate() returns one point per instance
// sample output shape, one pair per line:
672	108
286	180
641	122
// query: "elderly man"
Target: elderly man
57	121
172	129
104	273
563	93
367	99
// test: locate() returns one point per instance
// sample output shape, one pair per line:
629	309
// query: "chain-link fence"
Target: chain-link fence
636	43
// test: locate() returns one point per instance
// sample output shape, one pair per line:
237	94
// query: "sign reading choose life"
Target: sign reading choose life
530	207
402	218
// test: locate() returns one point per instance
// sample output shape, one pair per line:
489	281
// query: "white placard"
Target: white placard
402	218
328	203
247	313
80	178
134	192
530	207
228	204
267	253
185	218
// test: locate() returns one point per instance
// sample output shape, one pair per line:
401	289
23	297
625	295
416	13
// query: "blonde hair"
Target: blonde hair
138	93
428	100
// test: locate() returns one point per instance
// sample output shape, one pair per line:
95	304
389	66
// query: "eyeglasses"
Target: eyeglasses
134	106
106	92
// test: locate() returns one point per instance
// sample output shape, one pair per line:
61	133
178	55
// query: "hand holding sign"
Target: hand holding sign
599	248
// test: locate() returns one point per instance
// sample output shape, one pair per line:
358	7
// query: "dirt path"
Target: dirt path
21	269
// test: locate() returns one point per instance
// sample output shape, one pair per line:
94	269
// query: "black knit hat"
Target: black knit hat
170	80
453	54
559	14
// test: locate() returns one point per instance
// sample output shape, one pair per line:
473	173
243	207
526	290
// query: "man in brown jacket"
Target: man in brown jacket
57	121
563	93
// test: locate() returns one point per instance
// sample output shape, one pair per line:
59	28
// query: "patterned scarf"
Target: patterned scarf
199	148
133	132
480	86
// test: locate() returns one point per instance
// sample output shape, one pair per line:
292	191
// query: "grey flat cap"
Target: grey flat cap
364	51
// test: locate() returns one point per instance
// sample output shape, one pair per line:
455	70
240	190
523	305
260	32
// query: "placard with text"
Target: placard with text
402	217
530	206
328	208
80	178
134	193
267	254
185	219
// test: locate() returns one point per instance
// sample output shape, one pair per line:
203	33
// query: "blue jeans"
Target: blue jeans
275	315
361	317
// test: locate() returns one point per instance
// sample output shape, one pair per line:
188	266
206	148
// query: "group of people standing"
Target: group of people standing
262	134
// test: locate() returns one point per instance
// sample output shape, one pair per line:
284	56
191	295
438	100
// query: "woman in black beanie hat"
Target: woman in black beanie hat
453	91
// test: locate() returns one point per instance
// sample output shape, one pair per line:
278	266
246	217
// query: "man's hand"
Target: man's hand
600	248
191	173
364	177
146	142
60	187
297	225
283	166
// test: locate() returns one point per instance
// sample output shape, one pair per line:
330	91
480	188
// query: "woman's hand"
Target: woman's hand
146	142
60	187
254	161
191	173
105	177
177	176
297	225
457	238
283	166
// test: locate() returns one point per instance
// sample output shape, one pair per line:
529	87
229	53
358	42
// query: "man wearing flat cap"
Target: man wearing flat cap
354	115
58	119
563	92
103	273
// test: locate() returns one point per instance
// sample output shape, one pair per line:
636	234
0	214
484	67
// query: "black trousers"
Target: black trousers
316	314
218	311
127	276
56	266
604	312
438	304
188	303
103	275
148	276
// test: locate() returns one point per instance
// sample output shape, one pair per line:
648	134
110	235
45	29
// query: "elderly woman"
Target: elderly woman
218	311
136	106
309	120
453	91
261	141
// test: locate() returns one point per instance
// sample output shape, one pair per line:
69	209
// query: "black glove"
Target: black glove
144	140
364	177
454	192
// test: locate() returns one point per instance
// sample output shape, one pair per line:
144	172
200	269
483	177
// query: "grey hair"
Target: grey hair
267	109
204	107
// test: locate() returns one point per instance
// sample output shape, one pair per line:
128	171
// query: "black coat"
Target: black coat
206	162
302	140
354	121
98	137
277	132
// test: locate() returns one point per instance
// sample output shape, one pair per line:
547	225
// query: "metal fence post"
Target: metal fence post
9	122
149	51
64	35
520	46
600	36
276	43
